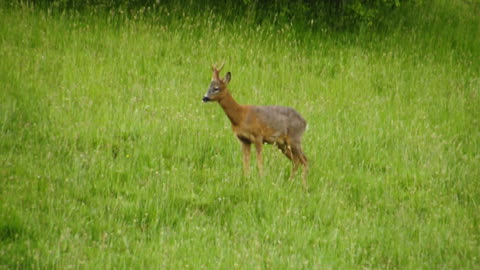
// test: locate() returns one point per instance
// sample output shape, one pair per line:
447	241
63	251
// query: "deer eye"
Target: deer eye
216	89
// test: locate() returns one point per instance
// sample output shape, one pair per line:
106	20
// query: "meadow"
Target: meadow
109	159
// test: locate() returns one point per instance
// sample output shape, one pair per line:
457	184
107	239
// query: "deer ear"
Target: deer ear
227	78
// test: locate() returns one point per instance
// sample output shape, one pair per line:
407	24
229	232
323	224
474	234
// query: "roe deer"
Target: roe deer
282	126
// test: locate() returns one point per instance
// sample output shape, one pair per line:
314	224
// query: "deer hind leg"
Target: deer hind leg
300	159
258	148
296	163
287	151
246	157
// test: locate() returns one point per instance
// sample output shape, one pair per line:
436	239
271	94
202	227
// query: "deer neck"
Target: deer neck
232	109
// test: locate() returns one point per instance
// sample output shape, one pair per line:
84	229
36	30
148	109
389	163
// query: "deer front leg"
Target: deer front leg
258	147
246	157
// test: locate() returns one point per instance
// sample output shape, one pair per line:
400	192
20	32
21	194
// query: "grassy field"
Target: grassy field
109	160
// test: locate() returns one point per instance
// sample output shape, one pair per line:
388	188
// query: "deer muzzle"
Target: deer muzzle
206	99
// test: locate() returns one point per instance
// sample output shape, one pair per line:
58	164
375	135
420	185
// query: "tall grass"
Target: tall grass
109	160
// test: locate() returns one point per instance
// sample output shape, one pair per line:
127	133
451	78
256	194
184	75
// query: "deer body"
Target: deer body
281	126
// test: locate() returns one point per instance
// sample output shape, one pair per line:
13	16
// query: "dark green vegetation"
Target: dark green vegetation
302	13
108	158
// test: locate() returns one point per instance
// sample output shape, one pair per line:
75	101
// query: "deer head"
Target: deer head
218	86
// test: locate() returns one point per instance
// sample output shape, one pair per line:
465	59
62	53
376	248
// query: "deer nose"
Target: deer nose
205	99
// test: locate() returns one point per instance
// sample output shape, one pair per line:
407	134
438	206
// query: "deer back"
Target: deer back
284	121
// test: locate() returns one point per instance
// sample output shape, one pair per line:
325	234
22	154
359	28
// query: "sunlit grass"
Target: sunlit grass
110	160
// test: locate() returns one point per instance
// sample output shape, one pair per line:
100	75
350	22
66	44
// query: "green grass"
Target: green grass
108	158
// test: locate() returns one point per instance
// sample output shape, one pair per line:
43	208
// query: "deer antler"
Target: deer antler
216	71
214	68
221	66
